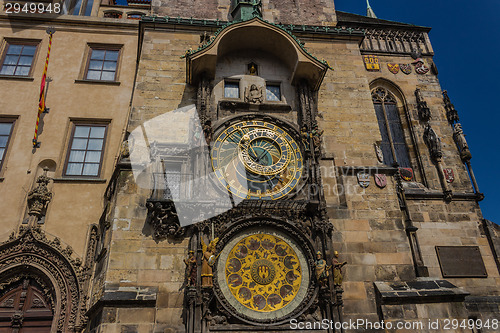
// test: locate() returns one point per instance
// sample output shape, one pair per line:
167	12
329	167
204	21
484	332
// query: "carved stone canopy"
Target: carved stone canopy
256	34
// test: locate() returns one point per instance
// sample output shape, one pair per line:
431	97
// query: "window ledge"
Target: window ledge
79	180
111	83
17	78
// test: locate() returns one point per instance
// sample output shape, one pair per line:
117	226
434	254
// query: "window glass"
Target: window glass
231	89
5	131
273	92
102	65
86	148
385	106
18	59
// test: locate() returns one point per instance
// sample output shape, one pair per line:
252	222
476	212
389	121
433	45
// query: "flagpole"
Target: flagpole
41	99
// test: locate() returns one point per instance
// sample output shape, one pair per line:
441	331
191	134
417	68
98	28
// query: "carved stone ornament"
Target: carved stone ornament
254	94
40	196
61	281
433	142
451	112
424	114
164	220
378	152
463	147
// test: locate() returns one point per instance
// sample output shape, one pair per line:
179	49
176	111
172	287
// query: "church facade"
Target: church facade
236	166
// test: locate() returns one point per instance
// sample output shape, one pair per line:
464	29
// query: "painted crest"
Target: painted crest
420	67
405	68
380	180
449	175
406	174
393	68
378	151
364	179
371	63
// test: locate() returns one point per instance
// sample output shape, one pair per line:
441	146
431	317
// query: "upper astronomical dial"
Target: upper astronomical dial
257	160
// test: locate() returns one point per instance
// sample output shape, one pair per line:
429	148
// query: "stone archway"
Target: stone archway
52	276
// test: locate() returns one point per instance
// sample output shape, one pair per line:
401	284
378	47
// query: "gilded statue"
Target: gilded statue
207	262
322	270
337	269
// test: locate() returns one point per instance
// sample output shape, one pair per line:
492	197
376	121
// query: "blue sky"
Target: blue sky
465	38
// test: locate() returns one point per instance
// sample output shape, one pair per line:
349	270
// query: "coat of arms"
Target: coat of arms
406	174
449	175
371	63
364	179
380	180
420	67
393	68
405	68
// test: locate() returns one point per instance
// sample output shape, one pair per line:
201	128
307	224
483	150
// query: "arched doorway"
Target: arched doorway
25	309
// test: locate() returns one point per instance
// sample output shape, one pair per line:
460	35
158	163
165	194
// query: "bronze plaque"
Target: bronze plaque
461	261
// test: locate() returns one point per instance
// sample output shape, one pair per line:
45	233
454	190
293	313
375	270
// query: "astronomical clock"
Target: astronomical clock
260	267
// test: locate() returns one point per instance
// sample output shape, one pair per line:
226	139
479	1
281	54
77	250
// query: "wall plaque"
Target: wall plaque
461	261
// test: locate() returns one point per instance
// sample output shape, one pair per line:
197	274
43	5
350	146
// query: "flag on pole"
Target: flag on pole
41	100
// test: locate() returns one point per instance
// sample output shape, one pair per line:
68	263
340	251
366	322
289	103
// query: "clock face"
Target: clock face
257	160
263	274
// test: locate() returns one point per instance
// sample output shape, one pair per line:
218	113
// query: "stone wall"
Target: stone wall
310	12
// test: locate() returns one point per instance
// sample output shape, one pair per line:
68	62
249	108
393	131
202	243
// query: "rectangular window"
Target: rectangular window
102	64
231	89
273	92
5	132
18	59
85	150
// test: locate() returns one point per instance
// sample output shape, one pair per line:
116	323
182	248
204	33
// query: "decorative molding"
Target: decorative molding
394	41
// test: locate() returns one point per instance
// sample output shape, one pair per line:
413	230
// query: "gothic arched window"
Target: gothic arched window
393	143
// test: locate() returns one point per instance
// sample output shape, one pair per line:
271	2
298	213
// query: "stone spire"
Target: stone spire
369	10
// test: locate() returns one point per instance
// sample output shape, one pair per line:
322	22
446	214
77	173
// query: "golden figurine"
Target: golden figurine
337	269
208	261
322	270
